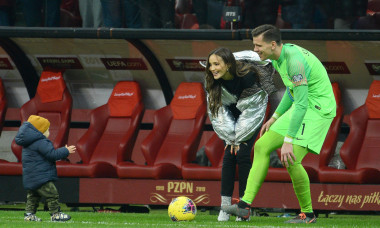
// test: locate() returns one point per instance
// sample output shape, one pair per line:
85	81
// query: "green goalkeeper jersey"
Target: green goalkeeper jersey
307	85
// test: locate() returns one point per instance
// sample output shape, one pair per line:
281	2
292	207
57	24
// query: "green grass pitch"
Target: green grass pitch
12	216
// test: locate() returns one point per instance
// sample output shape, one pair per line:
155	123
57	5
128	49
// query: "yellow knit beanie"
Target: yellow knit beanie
39	122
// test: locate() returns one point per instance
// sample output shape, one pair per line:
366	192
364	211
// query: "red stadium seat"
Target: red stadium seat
183	6
313	162
184	17
174	139
69	14
111	135
189	21
186	21
361	150
214	150
178	20
52	101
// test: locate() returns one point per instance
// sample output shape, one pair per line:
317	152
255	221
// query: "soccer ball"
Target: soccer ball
182	209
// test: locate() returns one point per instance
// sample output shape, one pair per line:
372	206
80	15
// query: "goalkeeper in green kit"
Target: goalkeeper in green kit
298	126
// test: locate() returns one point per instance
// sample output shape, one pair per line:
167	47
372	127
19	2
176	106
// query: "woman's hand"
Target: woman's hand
266	126
234	148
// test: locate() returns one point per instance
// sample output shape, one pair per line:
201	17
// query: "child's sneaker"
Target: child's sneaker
31	217
60	217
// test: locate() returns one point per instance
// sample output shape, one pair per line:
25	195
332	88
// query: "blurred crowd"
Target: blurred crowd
192	14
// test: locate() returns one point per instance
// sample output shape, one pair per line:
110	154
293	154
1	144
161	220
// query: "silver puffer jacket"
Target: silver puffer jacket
252	103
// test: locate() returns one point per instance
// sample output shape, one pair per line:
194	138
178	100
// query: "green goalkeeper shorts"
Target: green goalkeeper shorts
312	132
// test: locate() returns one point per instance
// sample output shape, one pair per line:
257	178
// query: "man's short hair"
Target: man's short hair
270	33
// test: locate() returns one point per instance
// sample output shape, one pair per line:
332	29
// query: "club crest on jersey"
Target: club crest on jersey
299	79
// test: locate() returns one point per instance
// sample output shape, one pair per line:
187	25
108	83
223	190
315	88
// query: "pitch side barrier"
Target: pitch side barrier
184	34
115	191
93	60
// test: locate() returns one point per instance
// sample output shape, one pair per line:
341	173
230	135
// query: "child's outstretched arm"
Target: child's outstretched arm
46	148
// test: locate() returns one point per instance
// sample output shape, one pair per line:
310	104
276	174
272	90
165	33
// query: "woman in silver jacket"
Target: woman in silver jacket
237	89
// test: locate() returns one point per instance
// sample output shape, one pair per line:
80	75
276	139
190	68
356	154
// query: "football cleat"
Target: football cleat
237	211
240	219
302	218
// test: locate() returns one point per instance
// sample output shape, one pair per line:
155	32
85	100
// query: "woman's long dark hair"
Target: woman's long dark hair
213	87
